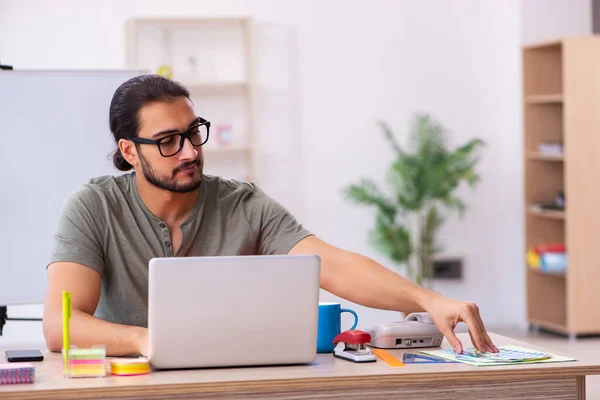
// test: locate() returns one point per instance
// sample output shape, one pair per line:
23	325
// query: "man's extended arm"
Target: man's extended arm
363	281
85	329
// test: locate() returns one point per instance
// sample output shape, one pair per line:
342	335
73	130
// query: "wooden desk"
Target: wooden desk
327	377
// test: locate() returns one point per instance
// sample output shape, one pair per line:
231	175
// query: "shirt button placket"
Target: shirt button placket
167	237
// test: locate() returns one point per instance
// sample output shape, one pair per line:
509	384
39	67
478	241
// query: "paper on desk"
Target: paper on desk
509	355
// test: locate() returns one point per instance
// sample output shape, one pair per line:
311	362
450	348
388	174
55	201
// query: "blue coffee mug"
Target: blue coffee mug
330	321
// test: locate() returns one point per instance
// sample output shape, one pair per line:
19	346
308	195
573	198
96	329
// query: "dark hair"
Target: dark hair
127	101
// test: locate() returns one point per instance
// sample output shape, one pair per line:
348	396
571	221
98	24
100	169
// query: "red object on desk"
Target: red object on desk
353	337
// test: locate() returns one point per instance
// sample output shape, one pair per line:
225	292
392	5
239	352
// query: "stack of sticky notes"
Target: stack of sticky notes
87	362
16	373
129	366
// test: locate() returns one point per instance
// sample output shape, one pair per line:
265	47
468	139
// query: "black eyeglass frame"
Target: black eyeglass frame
182	137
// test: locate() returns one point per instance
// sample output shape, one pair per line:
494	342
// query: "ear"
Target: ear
128	151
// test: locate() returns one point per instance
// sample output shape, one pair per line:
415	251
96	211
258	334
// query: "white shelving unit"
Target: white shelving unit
215	59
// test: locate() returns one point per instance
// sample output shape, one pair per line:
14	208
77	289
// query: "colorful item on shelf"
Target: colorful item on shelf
560	200
166	71
548	258
224	134
551	147
551	248
533	259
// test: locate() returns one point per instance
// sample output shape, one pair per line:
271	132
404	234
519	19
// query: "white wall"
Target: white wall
546	20
458	60
358	61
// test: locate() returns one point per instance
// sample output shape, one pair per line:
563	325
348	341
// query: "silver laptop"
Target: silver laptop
233	311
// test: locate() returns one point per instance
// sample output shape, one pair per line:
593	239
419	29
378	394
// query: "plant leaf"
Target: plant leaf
392	239
433	223
454	203
367	193
389	135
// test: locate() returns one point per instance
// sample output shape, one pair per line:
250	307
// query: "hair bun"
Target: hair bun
120	162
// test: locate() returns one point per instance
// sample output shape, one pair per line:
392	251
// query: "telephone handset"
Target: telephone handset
422	317
417	330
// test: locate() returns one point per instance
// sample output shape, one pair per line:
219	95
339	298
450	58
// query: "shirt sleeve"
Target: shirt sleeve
78	235
277	229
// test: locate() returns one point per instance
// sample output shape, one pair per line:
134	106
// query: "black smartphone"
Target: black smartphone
24	355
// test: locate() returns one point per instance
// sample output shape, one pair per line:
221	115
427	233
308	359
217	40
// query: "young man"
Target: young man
111	227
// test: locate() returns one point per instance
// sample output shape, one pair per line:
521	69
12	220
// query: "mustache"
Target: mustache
186	165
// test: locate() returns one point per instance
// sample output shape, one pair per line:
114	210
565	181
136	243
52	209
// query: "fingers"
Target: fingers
448	332
488	340
478	334
488	347
472	339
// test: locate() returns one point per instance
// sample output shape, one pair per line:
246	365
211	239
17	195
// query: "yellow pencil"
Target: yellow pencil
66	312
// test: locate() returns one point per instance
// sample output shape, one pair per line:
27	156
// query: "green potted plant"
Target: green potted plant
423	183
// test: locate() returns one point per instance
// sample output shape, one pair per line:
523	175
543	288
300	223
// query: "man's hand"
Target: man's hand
447	313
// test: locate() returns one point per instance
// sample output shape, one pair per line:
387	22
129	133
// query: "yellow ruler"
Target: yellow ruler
387	357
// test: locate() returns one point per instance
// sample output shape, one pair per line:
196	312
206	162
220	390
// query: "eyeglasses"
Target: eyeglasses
170	145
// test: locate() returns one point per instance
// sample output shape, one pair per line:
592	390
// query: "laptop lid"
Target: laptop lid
233	311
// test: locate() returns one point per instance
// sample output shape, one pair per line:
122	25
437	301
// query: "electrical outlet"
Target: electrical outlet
448	268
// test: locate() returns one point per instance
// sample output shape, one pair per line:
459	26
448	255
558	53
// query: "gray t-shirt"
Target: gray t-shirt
105	226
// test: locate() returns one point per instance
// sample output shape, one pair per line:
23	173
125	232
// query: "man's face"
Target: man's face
181	173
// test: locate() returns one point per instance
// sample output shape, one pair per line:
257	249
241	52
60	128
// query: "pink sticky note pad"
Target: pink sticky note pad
14	366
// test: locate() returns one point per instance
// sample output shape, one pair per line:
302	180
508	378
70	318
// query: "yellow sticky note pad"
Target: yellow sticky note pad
129	366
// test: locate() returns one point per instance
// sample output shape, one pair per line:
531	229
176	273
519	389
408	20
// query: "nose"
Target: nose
188	152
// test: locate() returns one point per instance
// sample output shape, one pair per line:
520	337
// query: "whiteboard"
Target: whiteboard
54	137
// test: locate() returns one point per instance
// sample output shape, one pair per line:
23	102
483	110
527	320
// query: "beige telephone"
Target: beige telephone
417	330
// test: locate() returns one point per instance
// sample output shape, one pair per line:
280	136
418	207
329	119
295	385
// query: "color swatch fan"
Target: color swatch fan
504	355
508	355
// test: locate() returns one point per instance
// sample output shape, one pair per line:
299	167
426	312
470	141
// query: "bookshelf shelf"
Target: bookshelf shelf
543	45
548	214
216	86
544	98
546	273
545	157
560	104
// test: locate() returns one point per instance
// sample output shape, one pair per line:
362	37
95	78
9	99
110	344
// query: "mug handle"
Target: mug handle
353	313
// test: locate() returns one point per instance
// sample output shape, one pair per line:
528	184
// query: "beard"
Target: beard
170	183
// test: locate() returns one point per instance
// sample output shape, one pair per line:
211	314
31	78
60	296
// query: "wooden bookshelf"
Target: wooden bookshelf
561	99
214	58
